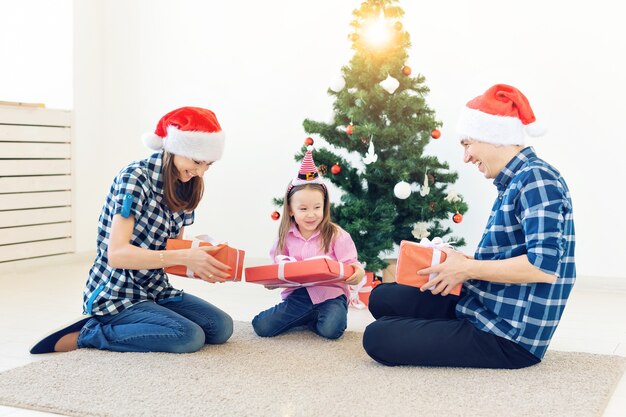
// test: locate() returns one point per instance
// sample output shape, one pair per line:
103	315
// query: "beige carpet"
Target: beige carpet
300	374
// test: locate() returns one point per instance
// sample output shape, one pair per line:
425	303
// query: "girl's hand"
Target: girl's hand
358	275
203	264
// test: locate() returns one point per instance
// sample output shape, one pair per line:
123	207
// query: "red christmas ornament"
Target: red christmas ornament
275	215
436	134
457	218
406	70
349	129
336	169
308	141
398	26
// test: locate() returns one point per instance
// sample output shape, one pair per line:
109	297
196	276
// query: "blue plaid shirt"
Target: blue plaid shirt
532	216
111	290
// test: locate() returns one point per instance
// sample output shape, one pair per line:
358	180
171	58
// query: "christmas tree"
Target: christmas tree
393	192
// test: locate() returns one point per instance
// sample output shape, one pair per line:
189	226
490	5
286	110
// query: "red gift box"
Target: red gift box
291	273
225	254
414	257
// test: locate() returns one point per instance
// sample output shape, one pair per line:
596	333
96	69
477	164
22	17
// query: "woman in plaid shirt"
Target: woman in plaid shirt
132	306
517	285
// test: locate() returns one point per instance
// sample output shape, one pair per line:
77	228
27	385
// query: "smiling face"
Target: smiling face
189	168
485	156
307	208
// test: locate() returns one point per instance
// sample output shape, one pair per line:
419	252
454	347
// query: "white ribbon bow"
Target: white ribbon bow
355	300
436	244
283	259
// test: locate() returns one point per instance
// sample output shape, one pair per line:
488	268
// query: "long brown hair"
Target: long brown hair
180	195
327	228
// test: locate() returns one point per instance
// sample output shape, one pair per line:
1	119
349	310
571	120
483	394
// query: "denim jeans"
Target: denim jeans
327	319
180	326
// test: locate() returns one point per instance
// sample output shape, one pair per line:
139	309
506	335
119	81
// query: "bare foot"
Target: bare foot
67	343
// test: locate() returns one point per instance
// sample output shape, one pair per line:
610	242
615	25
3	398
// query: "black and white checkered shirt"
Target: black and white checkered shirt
111	290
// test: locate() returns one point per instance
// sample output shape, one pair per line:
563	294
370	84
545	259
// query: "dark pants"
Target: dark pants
418	328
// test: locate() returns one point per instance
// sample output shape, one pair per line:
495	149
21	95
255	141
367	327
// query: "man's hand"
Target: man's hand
450	273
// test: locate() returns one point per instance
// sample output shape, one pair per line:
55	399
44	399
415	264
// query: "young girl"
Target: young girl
305	231
133	306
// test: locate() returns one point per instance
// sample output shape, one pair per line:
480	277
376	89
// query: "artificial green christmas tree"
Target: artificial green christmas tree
394	192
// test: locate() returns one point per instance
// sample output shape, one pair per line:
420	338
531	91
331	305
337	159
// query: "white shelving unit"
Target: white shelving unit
35	182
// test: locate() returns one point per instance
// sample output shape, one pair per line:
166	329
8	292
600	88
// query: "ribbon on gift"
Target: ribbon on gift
436	244
355	300
284	259
195	243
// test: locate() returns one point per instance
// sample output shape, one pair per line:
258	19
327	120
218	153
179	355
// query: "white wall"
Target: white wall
35	52
264	67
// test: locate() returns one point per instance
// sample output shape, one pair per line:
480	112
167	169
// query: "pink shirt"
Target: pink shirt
342	249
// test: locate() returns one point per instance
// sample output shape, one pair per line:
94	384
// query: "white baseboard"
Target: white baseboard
601	283
46	261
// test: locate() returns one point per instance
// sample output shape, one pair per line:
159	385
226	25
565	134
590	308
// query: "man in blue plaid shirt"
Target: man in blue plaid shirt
516	286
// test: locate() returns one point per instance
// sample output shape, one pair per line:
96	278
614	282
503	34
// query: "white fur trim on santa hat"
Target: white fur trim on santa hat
298	181
484	127
535	129
200	146
152	141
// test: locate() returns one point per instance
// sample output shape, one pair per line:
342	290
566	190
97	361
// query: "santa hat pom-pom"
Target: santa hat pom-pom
535	129
152	141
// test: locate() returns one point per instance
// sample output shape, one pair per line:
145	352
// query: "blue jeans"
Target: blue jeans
181	326
327	319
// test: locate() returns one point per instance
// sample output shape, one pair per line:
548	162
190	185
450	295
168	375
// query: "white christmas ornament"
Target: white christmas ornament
389	84
338	84
452	196
420	231
425	189
370	156
402	190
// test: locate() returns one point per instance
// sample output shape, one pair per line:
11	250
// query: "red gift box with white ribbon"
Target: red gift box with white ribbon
225	254
415	256
291	273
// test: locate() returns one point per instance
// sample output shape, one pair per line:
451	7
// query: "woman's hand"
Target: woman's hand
358	275
203	264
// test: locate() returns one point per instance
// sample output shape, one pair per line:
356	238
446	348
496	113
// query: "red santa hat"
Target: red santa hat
307	174
502	116
192	132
